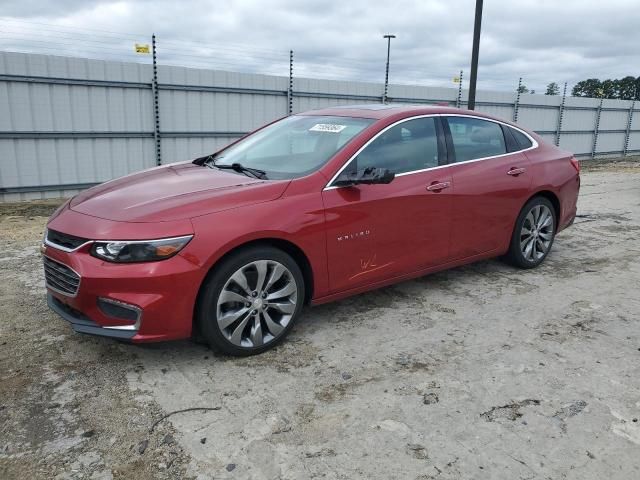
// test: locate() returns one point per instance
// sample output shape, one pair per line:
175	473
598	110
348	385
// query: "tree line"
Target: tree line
627	88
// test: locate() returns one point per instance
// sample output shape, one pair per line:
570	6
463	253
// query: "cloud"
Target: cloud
540	40
51	9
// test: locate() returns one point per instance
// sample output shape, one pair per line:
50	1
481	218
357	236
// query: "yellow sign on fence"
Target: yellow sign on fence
456	79
142	48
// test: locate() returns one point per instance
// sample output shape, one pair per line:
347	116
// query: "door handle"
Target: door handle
515	171
437	186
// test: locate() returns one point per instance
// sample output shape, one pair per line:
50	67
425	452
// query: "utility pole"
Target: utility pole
386	75
474	56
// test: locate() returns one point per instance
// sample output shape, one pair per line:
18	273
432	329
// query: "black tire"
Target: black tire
207	306
516	256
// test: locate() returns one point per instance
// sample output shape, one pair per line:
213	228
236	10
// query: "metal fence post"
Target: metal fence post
459	99
595	129
517	102
628	131
156	105
290	90
386	72
560	114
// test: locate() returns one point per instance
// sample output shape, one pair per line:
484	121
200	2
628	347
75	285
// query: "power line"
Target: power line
72	36
29	22
228	46
85	54
211	54
73	44
95	43
230	50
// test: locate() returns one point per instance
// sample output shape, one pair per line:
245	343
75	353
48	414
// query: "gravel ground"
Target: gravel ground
482	371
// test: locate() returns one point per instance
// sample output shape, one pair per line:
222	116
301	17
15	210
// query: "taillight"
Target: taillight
575	163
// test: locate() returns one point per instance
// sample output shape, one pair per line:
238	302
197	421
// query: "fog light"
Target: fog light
119	310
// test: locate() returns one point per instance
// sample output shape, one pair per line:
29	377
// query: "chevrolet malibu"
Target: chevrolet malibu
308	209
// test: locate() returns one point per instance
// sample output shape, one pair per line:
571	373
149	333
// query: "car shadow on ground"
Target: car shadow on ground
352	309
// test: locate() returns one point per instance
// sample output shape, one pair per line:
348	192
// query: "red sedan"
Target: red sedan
311	208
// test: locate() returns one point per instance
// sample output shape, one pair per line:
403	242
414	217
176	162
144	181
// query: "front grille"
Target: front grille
60	278
64	240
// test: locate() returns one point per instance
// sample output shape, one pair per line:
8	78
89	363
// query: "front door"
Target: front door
377	232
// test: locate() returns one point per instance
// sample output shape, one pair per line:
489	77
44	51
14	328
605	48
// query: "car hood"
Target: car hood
174	192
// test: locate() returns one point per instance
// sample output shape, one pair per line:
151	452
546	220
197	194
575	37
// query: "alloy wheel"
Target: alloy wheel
257	303
536	233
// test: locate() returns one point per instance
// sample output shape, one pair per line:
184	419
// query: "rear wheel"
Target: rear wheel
533	234
250	301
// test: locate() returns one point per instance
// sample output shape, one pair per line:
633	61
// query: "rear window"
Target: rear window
474	138
521	138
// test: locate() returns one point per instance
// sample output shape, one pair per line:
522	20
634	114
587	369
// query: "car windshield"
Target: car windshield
294	146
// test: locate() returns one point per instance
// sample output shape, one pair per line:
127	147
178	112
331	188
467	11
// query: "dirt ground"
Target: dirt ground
483	371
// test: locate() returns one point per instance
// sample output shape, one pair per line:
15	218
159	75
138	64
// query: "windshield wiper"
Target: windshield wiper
206	160
238	167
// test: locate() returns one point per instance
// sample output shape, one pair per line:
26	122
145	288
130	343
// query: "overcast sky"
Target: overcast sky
540	40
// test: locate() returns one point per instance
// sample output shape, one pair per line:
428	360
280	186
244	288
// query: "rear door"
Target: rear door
377	232
491	183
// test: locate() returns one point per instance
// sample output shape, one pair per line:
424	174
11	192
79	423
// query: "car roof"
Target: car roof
396	112
380	111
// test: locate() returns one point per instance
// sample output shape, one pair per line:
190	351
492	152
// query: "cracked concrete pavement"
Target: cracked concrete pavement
483	371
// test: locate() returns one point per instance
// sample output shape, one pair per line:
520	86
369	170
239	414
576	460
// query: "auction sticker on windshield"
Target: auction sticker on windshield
327	127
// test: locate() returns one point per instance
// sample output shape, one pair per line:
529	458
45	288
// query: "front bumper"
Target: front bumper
83	324
159	295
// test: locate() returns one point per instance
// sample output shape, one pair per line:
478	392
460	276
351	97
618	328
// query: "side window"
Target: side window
521	138
409	146
474	138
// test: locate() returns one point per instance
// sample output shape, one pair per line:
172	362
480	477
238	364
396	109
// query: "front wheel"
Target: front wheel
250	301
533	233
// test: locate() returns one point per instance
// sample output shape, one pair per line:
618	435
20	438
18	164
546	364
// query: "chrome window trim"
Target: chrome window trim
66	294
534	144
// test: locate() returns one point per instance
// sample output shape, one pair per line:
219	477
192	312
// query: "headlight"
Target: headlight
124	251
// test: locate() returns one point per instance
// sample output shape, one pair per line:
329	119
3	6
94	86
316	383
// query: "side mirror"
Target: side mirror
367	176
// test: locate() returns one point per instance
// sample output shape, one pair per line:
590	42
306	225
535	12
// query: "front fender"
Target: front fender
297	219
